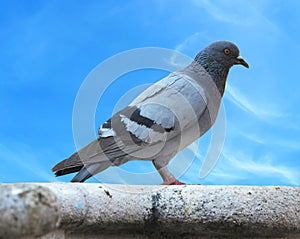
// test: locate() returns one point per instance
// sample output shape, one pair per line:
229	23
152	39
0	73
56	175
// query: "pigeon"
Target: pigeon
163	120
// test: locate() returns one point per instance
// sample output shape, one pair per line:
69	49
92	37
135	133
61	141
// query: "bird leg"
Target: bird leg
167	176
176	182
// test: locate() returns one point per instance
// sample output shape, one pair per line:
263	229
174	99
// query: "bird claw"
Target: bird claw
175	182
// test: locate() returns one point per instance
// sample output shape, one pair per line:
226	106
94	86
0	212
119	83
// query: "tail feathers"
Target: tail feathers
89	171
68	170
83	175
74	162
92	159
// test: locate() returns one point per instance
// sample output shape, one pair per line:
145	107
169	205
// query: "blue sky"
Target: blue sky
49	47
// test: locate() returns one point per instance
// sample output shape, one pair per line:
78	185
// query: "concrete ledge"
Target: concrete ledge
65	210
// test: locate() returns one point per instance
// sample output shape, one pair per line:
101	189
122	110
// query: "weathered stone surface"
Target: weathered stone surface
27	210
122	211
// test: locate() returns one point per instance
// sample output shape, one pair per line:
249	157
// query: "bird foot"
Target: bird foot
175	182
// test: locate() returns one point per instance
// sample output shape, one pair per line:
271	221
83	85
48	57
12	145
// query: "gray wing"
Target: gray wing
175	101
161	112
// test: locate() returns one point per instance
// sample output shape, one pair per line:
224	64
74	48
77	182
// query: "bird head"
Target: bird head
226	53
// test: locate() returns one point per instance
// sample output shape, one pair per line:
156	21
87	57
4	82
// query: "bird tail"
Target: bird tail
70	165
83	163
85	173
81	176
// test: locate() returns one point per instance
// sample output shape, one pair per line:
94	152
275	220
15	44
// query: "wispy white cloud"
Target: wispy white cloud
240	100
272	113
243	13
277	141
175	59
261	167
187	41
25	161
238	167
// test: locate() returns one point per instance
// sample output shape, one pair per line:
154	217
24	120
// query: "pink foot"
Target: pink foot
176	182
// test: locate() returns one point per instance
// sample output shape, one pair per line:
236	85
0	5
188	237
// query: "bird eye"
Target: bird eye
226	51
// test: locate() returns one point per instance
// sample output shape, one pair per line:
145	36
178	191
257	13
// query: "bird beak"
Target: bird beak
240	61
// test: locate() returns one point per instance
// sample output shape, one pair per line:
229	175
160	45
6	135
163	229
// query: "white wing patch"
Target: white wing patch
106	132
142	132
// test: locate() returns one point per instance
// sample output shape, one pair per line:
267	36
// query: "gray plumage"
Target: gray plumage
161	121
